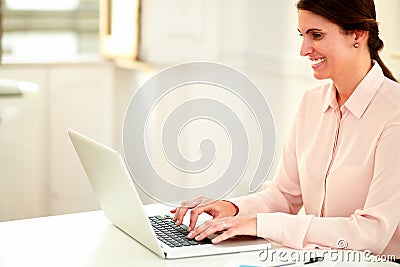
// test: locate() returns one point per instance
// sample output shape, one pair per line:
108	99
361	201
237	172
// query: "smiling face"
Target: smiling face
330	49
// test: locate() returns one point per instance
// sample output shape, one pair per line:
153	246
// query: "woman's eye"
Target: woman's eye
316	36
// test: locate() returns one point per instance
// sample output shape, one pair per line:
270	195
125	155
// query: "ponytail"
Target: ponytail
374	51
375	45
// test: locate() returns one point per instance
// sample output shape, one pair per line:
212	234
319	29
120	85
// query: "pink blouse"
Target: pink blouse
343	165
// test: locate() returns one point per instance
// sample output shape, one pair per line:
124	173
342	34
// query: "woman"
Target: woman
341	160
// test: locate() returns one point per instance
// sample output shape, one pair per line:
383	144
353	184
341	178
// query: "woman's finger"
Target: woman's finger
181	211
208	228
224	236
180	214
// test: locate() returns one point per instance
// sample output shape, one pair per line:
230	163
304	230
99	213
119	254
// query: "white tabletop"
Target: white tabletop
89	239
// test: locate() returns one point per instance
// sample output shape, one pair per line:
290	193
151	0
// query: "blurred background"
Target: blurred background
77	63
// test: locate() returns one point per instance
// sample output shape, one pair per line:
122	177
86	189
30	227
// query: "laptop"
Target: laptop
117	195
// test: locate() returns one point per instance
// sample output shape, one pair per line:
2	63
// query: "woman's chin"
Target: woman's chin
320	76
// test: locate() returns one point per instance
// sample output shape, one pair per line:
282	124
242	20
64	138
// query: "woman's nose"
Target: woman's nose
306	48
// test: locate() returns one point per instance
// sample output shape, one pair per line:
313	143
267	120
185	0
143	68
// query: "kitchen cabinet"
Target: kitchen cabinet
22	147
40	173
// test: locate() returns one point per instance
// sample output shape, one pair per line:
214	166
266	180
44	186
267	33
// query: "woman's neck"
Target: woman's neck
346	84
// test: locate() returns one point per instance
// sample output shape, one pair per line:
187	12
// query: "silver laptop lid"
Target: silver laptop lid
108	174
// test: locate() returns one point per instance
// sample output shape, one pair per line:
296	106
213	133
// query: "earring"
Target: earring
356	45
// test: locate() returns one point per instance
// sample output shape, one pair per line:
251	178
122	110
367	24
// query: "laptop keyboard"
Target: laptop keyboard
174	236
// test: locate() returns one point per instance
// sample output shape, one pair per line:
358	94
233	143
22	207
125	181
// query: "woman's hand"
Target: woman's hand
215	208
232	226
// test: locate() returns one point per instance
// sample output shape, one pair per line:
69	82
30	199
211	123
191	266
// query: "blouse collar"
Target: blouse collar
362	95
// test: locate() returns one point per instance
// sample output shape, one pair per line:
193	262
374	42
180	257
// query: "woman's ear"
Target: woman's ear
360	36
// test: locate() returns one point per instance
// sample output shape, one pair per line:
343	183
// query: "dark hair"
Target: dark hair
350	16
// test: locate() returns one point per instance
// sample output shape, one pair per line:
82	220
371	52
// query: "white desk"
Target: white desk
84	239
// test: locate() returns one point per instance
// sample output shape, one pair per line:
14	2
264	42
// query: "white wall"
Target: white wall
388	17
